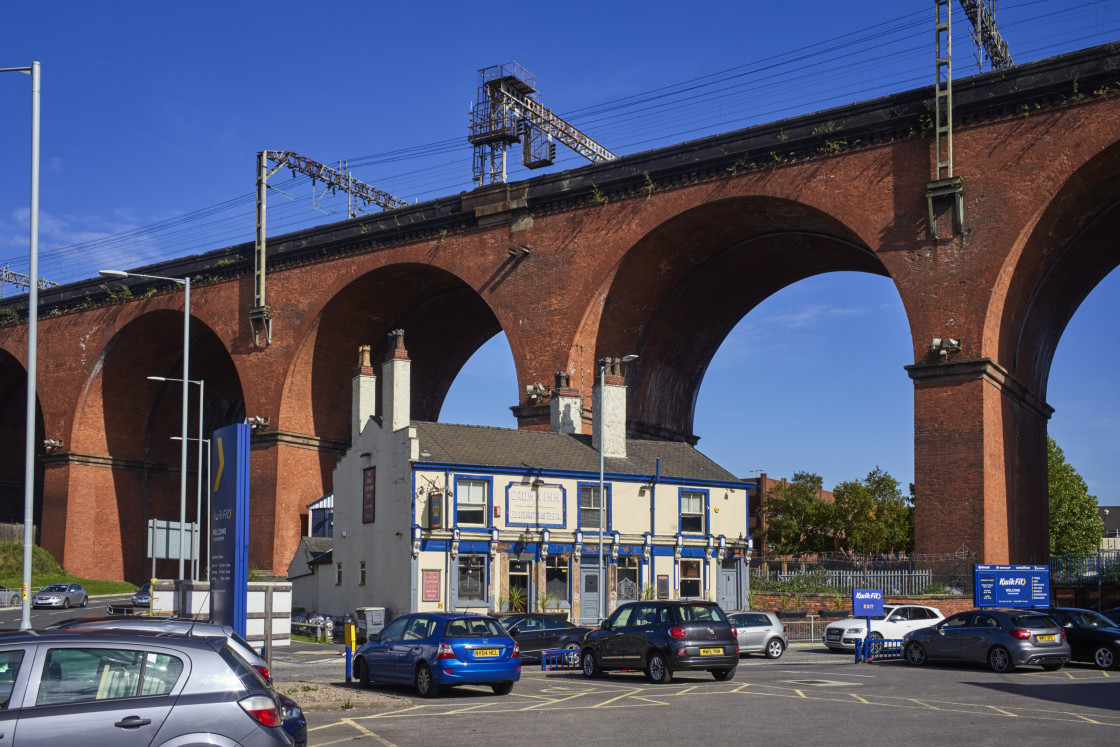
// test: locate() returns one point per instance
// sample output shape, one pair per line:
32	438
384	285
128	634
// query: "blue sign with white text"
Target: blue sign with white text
229	526
867	602
1011	585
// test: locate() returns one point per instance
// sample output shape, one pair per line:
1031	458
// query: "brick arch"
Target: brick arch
683	287
123	467
13	419
445	321
1070	249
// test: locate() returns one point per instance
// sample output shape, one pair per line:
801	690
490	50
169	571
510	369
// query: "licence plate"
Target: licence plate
1046	637
711	652
482	653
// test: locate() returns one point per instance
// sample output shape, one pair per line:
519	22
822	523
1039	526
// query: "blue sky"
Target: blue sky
153	114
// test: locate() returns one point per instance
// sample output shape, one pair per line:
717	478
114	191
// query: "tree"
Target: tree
872	516
1075	525
797	519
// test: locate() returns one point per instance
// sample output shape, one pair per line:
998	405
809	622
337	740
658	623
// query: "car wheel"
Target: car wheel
723	675
501	688
85	600
573	657
363	673
774	648
999	659
66	603
1053	666
916	654
658	669
876	634
425	686
591	665
1105	658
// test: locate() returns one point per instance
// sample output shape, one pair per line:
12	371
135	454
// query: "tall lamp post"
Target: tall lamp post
602	496
32	346
198	569
198	507
186	283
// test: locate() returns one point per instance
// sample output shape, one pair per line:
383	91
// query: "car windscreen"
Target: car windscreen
474	627
55	587
1032	622
701	613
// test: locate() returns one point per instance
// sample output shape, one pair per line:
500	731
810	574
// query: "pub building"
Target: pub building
436	516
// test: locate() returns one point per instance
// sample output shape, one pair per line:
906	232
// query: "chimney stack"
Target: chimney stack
364	394
608	423
566	407
396	389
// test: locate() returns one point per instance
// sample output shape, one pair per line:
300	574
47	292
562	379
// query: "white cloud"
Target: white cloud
811	316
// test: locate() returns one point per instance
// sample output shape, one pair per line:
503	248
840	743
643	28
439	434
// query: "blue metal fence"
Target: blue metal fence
559	658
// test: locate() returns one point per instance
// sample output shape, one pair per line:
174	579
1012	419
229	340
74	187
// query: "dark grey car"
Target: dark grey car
1001	638
112	688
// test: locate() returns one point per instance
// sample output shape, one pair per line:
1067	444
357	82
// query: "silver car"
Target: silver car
60	595
1001	638
143	596
759	632
113	688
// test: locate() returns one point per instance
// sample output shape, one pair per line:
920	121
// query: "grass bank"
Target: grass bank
46	570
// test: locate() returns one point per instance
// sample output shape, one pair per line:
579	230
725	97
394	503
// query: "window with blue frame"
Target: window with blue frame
589	508
692	513
470	503
472	578
691	584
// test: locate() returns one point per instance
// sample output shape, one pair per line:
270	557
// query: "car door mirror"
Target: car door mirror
605	625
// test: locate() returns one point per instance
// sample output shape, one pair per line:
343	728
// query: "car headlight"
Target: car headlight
291	712
854	630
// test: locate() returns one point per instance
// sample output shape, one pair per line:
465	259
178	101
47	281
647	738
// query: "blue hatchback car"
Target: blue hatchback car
433	650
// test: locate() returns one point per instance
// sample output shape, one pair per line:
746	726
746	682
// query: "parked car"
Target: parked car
103	687
535	633
1092	637
293	720
663	637
1113	615
896	621
9	597
143	596
759	632
433	650
60	595
1002	638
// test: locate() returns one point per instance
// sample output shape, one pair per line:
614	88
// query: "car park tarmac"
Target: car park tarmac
808	694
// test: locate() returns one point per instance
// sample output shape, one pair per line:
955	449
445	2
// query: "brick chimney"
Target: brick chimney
566	407
608	407
396	388
364	394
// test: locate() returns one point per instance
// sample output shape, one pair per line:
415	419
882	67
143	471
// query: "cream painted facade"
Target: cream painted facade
419	525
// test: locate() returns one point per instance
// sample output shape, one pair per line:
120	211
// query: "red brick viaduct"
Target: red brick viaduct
660	253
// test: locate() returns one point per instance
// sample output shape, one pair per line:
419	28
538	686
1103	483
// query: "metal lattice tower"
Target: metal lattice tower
508	110
20	279
944	184
259	315
982	17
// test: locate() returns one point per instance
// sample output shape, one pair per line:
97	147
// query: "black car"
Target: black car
662	638
1113	615
1092	636
535	633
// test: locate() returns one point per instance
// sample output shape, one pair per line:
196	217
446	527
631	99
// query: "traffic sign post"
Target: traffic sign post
868	603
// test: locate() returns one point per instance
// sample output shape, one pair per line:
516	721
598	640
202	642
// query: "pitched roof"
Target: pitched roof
507	447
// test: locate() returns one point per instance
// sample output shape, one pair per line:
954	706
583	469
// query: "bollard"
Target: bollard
348	637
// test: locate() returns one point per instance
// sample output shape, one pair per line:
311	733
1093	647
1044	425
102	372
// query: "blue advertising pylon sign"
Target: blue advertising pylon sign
229	526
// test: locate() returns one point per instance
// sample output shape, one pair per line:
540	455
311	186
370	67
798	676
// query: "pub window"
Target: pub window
690	579
470	503
556	578
362	573
338	574
627	577
589	507
472	578
692	512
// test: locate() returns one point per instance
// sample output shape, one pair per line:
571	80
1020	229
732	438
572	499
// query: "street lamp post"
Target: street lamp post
207	442
602	496
186	283
198	507
32	347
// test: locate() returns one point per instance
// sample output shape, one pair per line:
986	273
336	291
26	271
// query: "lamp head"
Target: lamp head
112	273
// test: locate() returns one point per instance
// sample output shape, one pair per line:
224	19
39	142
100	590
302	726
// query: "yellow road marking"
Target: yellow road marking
619	697
557	700
364	732
684	691
860	699
1005	713
801	694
